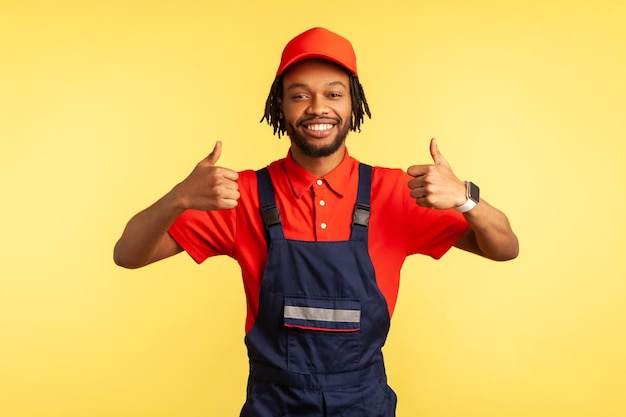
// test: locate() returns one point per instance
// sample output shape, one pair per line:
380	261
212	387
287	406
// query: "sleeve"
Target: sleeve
203	234
402	227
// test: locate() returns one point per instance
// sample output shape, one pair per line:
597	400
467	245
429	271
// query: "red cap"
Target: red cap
318	43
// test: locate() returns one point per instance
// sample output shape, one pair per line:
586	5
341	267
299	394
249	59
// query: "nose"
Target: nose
318	106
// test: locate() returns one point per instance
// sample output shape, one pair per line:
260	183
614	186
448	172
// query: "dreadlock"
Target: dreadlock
272	105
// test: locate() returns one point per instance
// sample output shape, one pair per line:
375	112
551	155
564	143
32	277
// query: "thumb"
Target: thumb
215	153
437	156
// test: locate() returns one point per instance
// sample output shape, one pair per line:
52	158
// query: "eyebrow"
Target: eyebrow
304	85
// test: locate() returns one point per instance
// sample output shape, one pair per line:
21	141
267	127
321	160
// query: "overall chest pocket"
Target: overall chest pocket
323	333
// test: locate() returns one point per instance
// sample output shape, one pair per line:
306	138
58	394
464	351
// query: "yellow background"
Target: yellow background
104	106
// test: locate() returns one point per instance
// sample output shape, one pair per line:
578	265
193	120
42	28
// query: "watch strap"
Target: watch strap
471	199
469	204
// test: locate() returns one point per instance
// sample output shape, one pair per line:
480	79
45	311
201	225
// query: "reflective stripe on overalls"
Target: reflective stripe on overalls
315	347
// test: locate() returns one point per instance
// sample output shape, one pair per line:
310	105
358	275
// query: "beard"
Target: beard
313	151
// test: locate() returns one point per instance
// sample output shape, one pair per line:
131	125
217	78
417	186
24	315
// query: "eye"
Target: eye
335	95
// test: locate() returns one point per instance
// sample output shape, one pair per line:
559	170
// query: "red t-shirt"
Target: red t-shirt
320	209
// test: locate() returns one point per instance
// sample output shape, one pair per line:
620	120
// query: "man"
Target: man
320	239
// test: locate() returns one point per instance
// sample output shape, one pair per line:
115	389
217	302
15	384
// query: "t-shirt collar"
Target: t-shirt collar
301	179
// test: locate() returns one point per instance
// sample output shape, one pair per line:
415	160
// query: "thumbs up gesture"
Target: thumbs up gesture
209	187
435	185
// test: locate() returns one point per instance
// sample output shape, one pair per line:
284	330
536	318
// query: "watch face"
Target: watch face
473	191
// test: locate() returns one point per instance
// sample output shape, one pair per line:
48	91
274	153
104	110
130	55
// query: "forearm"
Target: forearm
490	233
145	238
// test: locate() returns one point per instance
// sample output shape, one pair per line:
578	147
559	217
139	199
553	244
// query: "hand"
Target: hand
209	187
435	186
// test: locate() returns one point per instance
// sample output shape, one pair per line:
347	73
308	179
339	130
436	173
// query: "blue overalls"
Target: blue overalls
315	348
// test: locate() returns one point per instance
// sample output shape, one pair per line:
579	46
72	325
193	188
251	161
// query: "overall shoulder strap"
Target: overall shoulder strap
269	211
361	216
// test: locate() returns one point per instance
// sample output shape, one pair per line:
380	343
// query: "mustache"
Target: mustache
320	120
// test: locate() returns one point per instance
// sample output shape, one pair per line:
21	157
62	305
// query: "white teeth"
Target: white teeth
320	127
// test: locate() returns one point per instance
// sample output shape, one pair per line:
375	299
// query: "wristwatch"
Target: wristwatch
473	197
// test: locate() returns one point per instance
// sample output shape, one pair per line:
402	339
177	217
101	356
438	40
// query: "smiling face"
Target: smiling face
316	107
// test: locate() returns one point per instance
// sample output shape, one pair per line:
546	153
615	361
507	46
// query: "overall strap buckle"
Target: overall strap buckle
270	214
361	214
